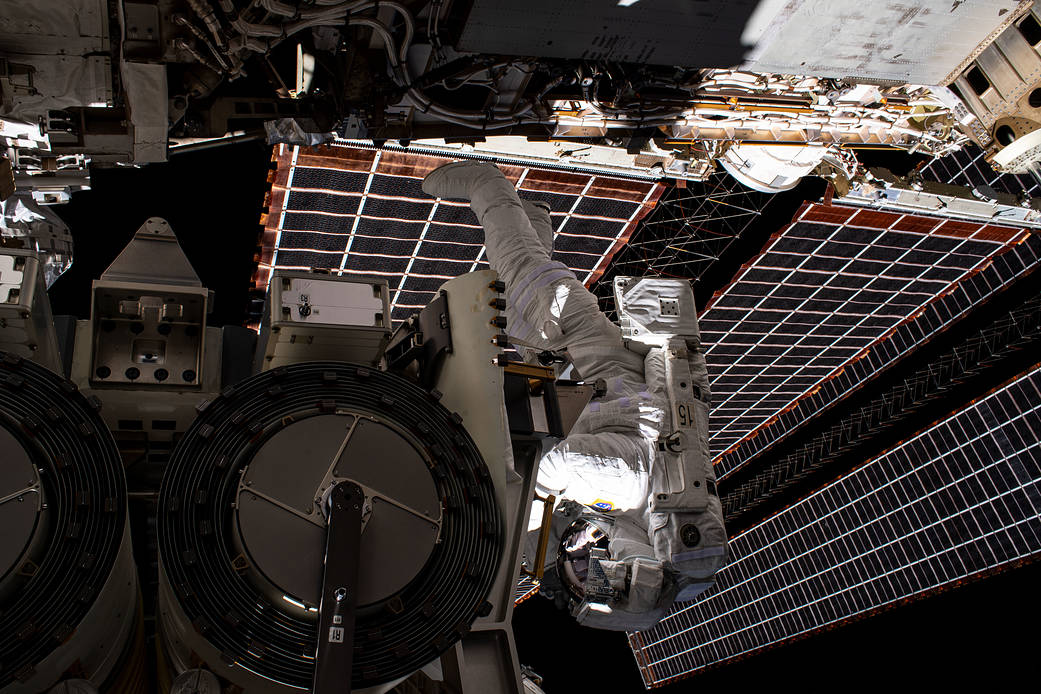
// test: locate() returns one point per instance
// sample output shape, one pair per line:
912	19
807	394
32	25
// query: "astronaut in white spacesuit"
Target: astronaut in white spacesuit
649	524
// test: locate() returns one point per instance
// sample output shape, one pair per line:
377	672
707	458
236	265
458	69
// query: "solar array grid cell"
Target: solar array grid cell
352	210
820	310
956	500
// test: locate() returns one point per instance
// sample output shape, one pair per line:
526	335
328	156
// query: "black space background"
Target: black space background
987	631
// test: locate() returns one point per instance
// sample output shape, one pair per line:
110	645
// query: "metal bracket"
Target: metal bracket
153	256
423	338
548	504
672	443
334	658
547	358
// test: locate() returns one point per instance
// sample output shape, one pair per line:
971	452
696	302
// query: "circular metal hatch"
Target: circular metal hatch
280	503
242	526
67	579
20	510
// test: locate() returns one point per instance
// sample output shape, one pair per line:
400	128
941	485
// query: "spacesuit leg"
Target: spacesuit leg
554	307
526	339
538	215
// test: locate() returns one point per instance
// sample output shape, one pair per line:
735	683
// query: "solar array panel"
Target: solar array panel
967	167
959	500
835	297
355	210
526	587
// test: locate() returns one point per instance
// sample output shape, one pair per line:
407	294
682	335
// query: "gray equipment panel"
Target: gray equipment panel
311	317
882	41
149	314
26	325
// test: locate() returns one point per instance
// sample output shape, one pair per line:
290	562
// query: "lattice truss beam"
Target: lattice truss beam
687	232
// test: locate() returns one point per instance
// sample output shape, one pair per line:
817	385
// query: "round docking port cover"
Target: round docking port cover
281	518
67	582
243	523
20	507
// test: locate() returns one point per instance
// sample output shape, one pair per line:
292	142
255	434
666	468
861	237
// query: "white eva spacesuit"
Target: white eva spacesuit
647	527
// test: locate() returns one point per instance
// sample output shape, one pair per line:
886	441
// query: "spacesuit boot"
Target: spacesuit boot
460	179
519	239
545	298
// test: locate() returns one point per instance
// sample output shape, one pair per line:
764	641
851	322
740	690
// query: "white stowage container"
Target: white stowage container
314	317
772	168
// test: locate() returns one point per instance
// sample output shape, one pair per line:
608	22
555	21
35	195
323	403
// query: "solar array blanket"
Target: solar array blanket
348	209
833	299
955	502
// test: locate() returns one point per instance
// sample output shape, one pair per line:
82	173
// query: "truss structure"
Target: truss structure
686	233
